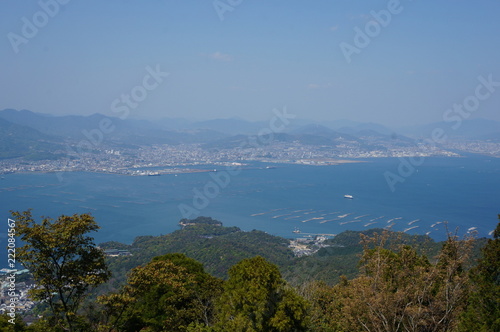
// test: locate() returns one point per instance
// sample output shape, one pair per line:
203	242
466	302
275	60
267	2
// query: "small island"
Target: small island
199	221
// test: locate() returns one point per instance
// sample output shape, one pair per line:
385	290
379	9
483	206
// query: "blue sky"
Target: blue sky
264	54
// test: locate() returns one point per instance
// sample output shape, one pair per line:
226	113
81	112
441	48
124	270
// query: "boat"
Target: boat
296	230
348	196
154	174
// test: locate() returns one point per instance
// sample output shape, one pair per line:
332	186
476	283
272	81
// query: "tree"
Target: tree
483	312
323	314
451	283
64	261
256	298
398	290
168	294
9	324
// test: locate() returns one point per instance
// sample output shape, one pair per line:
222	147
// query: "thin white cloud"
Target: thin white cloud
219	56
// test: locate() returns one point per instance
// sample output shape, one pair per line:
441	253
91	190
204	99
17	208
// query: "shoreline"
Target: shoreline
175	171
169	192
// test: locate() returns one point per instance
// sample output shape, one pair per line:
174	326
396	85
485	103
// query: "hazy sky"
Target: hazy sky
242	58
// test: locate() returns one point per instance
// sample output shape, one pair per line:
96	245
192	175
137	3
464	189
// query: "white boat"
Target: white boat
348	196
296	230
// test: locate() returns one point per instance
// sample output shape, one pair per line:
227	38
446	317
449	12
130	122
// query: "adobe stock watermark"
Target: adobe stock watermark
122	107
31	26
372	29
455	115
223	6
221	179
11	278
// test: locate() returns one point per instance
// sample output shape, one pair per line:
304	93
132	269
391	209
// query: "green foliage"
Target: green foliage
483	312
9	324
114	245
327	265
256	298
398	290
342	256
200	220
168	294
19	141
392	285
217	247
45	325
63	260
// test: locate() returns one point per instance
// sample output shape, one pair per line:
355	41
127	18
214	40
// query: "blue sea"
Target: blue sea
464	192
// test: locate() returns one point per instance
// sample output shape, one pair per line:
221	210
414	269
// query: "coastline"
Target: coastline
153	171
121	201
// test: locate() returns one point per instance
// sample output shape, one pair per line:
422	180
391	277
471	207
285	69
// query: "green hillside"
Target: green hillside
219	248
21	141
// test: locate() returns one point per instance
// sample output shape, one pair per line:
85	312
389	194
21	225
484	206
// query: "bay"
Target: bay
465	192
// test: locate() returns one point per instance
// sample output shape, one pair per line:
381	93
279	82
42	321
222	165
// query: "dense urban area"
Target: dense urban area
176	158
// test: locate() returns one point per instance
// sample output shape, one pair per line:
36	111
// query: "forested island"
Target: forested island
208	277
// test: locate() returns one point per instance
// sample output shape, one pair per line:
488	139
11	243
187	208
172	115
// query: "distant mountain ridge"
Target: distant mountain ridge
130	131
36	130
469	129
23	141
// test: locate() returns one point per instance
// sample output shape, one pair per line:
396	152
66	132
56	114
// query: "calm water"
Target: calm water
463	191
